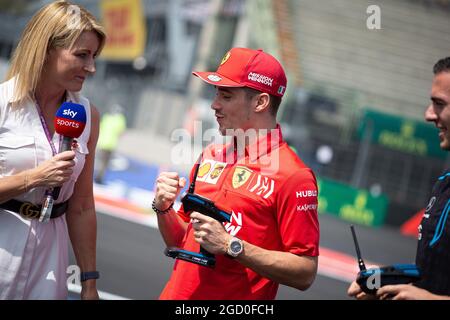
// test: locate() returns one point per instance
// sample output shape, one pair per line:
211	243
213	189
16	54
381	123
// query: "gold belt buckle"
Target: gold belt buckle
29	210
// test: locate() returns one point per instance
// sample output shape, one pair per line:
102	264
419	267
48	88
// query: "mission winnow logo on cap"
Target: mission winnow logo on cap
243	67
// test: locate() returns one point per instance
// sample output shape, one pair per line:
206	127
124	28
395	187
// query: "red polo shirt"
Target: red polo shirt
272	197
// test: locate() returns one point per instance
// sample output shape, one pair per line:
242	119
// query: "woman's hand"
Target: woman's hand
53	172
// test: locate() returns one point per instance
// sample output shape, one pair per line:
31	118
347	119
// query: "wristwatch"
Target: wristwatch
235	247
84	276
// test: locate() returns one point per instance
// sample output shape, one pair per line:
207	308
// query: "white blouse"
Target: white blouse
33	255
24	145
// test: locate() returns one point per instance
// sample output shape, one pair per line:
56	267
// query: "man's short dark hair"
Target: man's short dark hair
274	100
442	65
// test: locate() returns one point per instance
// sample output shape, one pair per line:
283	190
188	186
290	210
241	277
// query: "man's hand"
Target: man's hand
168	186
210	233
404	292
355	291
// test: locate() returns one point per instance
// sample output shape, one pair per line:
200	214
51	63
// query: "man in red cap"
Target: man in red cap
273	234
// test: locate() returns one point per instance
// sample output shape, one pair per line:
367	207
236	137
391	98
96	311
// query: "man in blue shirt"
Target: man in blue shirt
433	249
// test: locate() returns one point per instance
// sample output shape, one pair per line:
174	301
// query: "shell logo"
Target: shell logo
204	169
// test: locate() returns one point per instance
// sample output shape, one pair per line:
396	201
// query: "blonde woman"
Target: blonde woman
54	56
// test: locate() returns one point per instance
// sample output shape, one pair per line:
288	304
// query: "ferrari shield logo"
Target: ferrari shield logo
240	176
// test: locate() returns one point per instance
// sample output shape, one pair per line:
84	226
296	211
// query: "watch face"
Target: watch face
235	246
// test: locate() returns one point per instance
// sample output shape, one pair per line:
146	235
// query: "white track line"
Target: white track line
102	294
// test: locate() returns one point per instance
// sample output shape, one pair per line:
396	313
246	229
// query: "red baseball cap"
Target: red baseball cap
243	67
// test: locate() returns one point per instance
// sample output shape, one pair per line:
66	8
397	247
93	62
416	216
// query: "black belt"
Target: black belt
32	211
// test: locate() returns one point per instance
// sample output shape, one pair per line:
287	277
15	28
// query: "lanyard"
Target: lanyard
47	205
197	166
46	130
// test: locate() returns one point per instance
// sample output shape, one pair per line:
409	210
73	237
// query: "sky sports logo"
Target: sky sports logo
70	113
67	123
70	119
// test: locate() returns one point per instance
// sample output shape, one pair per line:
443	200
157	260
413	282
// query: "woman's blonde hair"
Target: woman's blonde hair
58	24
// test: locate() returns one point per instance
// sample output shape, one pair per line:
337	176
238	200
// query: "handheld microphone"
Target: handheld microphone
69	122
